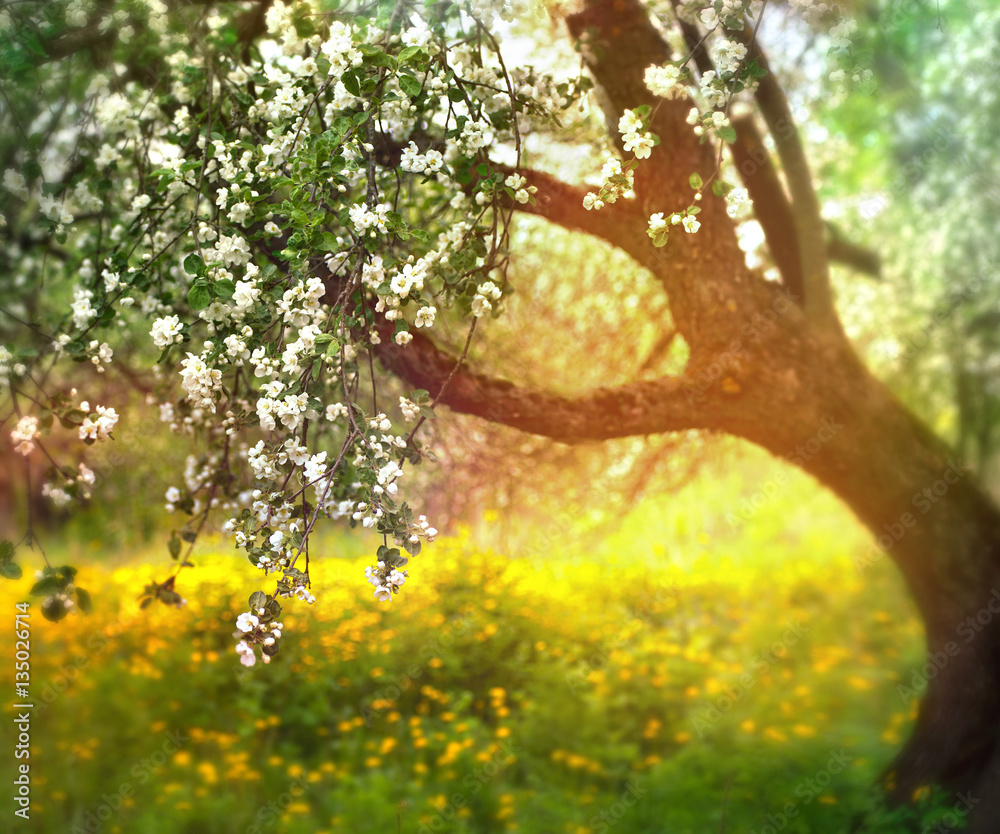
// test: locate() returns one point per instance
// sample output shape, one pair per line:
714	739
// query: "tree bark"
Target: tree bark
932	517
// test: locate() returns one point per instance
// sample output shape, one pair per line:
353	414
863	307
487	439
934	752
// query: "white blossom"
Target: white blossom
24	434
690	224
98	424
15	183
425	317
247	622
664	81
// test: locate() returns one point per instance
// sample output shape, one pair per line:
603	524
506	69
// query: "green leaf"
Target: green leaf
728	134
31	169
199	296
351	83
381	59
407	53
695	181
174	546
10	570
45	586
410	85
258	599
224	288
720	188
328	243
83	601
74	417
194	265
6	549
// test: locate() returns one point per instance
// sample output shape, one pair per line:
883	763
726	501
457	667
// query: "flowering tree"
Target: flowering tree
273	204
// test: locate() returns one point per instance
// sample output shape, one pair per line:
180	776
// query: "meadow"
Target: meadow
633	687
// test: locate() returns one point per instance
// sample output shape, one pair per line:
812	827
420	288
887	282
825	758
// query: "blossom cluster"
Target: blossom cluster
24	434
387	580
635	137
486	296
258	627
264	224
659	226
715	120
617	180
98	423
73	485
666	81
729	14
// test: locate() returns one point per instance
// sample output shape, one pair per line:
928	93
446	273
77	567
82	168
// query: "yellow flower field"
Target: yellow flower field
492	694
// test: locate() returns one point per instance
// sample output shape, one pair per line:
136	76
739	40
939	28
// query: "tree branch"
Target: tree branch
637	408
562	204
619	42
808	222
770	203
850	254
72	41
777	220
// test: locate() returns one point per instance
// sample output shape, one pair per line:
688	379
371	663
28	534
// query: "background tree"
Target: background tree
279	198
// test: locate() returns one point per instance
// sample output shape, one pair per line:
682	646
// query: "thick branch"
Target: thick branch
760	178
851	254
250	25
774	213
770	203
72	41
637	408
808	222
695	43
619	43
563	204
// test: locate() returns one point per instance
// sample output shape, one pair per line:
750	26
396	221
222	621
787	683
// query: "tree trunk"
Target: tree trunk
938	524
